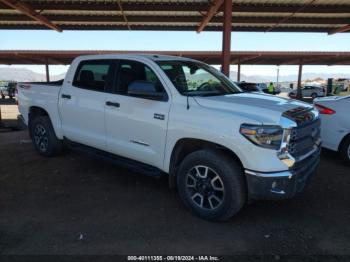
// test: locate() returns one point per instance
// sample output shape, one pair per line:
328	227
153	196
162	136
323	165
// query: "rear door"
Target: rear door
82	103
136	127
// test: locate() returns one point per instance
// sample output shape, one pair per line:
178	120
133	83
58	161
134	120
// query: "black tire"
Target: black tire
233	196
11	97
344	150
3	97
313	95
44	138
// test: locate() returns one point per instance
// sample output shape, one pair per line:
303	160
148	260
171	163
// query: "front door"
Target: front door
136	127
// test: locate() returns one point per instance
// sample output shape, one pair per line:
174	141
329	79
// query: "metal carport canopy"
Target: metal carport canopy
328	16
247	15
60	57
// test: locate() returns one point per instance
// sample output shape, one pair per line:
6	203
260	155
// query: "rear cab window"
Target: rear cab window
93	75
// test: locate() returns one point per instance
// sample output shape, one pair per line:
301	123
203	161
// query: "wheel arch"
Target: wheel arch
35	111
342	140
185	146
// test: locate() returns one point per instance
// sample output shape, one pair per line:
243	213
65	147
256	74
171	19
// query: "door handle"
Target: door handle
66	96
159	116
115	104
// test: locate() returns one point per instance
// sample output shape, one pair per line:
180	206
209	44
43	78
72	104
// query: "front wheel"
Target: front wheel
211	185
344	150
44	137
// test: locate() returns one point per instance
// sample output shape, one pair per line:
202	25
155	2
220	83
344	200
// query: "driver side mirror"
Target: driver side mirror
145	89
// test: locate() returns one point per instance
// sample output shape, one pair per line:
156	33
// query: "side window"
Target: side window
92	75
132	71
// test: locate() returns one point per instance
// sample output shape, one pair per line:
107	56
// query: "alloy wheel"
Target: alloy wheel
40	138
205	187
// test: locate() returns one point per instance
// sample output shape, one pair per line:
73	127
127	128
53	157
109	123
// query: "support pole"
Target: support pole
226	38
239	71
278	76
47	71
300	73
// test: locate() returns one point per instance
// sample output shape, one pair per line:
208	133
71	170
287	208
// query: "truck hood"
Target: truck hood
263	108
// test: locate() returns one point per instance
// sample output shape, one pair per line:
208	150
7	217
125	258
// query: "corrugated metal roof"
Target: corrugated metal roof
211	57
248	15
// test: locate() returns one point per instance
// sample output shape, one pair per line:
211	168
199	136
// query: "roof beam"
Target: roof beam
283	20
186	19
38	60
212	10
29	11
167	6
309	60
340	30
172	27
341	62
123	14
244	59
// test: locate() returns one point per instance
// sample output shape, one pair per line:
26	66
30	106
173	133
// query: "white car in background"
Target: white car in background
309	91
335	124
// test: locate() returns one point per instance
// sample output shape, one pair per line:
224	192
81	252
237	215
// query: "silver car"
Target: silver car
309	91
335	124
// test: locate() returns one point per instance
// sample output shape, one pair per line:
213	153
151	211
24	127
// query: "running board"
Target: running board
133	165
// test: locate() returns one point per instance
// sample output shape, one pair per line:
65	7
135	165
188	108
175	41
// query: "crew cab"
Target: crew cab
174	116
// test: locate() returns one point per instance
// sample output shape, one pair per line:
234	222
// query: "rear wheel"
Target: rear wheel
314	95
44	138
211	185
344	150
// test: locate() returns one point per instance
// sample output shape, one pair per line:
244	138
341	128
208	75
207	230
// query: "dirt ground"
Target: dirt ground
75	204
8	114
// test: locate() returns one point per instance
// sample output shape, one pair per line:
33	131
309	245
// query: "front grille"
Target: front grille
306	134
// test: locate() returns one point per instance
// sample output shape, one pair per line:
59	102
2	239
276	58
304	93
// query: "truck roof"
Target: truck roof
153	57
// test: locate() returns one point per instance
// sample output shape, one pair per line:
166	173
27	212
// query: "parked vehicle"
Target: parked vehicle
309	91
7	89
335	131
256	87
180	117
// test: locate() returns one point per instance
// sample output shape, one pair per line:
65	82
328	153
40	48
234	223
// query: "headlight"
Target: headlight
264	136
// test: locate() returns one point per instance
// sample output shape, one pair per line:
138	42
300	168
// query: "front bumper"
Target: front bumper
282	185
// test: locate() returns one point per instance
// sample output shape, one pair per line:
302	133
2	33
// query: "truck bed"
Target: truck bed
39	94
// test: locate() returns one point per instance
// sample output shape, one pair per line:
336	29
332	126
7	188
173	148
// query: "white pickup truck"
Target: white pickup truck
176	116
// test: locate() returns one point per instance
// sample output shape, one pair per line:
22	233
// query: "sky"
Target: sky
179	41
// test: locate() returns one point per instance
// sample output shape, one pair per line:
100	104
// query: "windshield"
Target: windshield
197	79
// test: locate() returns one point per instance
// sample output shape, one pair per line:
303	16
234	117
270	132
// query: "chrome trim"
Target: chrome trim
283	153
139	143
273	174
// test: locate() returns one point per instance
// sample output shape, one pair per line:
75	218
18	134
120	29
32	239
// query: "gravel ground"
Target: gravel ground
75	204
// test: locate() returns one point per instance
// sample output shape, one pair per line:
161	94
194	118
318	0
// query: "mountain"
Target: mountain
286	78
25	75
